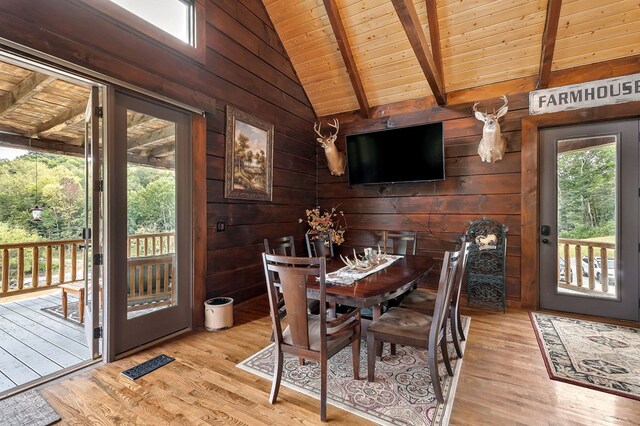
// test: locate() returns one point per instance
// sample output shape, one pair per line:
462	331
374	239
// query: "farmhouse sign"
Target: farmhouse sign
585	95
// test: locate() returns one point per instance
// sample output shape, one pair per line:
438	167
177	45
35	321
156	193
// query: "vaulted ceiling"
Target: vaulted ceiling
352	55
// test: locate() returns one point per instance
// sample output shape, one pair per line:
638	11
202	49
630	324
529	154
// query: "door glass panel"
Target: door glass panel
586	191
151	214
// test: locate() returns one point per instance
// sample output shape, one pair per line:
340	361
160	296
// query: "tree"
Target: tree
586	192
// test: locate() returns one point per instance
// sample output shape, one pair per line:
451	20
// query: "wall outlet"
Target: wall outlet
220	227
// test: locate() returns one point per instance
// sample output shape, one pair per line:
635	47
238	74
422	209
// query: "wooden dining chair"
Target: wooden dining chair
400	242
410	328
319	245
283	246
307	336
424	301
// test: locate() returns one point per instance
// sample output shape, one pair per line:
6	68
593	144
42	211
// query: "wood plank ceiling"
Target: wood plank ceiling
46	113
351	55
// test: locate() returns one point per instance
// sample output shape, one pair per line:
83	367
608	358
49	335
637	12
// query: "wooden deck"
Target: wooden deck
34	343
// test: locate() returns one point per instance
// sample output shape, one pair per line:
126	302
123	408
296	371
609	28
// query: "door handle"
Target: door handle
545	230
545	241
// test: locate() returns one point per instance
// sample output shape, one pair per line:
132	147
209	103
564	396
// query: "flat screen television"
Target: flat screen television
406	154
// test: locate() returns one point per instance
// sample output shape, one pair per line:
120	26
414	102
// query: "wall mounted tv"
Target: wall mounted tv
406	154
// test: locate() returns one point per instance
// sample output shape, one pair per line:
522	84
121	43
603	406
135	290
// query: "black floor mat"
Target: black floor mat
147	366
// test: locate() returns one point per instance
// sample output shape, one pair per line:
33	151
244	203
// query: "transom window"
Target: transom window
176	17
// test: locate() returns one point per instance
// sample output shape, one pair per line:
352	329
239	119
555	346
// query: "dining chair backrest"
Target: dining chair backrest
460	274
319	245
283	246
450	268
292	280
400	242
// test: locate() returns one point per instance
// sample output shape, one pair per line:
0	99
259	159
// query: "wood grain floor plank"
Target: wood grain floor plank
503	382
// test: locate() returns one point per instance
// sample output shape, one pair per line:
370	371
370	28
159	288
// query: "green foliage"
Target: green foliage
60	192
586	192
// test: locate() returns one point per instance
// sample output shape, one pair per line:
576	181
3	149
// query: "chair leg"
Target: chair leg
445	355
277	375
371	355
454	334
435	374
323	388
459	324
355	348
392	348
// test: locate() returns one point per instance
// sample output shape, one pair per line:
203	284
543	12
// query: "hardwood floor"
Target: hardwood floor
503	382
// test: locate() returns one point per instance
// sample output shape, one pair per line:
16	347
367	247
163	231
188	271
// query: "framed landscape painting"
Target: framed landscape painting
248	157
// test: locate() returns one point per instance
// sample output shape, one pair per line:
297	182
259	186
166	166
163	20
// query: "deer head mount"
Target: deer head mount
335	159
493	144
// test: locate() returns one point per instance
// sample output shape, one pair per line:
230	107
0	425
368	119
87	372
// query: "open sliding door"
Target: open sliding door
149	177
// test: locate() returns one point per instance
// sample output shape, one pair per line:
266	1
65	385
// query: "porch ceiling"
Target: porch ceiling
46	113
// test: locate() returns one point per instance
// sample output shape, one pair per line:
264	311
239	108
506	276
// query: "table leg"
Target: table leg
64	303
377	311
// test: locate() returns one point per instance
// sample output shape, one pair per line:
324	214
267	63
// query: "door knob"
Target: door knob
545	230
545	241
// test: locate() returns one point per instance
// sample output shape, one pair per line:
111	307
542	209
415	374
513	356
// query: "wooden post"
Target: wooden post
604	270
35	273
20	268
74	258
578	266
48	264
5	270
567	264
61	269
592	278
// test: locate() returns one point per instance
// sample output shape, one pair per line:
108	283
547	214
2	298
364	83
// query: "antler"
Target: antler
475	106
503	109
316	128
335	125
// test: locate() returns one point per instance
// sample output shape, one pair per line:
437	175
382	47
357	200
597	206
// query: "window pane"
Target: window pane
172	16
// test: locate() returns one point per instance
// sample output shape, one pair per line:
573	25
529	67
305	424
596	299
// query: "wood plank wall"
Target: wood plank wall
439	211
246	66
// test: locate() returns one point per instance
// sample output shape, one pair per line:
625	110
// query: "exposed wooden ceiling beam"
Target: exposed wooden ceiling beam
25	90
434	35
347	55
42	145
62	120
157	135
409	18
549	42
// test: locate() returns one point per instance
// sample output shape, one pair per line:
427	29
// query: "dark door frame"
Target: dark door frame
529	184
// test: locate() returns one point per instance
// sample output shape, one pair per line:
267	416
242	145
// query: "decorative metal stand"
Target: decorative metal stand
486	263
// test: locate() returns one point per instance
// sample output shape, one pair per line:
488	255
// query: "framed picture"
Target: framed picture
248	157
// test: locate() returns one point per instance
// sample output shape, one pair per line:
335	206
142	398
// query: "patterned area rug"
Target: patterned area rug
401	394
72	311
590	354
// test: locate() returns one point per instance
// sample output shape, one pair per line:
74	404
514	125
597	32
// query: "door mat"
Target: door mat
147	367
590	354
27	408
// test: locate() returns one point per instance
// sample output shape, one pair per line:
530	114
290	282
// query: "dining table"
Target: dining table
399	277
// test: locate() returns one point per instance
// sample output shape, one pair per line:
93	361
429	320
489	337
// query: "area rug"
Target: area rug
591	354
72	312
402	393
27	409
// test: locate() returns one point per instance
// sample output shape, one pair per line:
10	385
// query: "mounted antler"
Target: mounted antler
493	144
335	159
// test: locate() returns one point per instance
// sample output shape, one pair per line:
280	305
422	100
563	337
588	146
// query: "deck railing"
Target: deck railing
28	267
593	249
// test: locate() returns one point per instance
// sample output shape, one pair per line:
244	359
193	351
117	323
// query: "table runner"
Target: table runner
347	276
